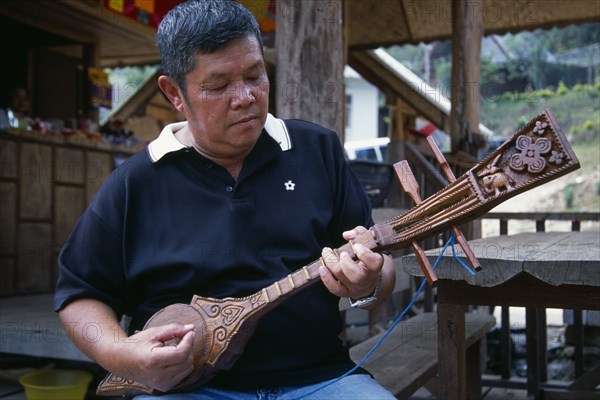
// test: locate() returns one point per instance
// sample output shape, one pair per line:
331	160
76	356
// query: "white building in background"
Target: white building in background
362	107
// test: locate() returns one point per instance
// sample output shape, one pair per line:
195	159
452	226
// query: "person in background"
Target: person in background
223	205
16	112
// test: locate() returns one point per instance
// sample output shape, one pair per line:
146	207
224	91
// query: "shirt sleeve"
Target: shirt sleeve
90	264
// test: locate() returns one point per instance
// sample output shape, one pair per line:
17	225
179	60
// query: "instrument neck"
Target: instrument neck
298	280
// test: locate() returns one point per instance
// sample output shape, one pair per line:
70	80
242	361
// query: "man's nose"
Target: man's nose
244	95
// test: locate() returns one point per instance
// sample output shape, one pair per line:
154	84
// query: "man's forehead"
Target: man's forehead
236	68
239	55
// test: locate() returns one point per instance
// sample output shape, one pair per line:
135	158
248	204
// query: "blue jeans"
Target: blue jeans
352	387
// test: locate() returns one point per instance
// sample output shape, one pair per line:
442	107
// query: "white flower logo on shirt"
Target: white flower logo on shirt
289	185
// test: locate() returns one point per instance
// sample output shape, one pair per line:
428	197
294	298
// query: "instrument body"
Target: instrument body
536	154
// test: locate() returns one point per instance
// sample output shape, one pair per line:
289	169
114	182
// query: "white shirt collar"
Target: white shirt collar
166	142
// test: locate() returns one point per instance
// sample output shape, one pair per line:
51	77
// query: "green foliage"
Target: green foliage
545	93
594	89
409	55
535	46
569	196
125	82
561	89
443	72
577	110
590	125
522	121
557	40
490	71
586	130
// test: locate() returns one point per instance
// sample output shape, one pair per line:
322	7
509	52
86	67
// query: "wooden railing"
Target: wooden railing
540	219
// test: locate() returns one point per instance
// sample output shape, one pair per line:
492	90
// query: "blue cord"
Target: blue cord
461	262
450	242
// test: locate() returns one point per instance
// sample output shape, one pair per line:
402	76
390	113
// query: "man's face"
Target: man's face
226	100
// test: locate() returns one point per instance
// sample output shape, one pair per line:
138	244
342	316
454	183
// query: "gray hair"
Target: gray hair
200	26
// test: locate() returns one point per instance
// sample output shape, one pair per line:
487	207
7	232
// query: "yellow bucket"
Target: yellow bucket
56	384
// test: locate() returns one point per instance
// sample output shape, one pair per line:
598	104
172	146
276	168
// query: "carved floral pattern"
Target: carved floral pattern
530	154
557	157
539	127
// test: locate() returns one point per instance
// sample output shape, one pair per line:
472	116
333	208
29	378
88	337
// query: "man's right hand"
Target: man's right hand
159	357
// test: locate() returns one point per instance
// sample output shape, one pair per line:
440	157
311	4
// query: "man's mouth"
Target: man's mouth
244	120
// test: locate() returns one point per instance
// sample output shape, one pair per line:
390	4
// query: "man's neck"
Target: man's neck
232	164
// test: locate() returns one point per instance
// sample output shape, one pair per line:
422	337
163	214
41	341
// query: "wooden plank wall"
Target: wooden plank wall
44	188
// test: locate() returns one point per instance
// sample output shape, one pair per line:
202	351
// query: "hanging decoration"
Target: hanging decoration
100	88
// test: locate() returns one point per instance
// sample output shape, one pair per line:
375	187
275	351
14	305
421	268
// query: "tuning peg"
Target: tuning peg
411	187
460	238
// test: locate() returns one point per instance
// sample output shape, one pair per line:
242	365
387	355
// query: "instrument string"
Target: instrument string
400	317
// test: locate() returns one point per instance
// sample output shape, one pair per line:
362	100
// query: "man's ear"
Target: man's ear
171	90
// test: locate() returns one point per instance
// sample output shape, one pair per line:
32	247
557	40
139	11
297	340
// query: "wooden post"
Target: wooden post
467	32
532	329
310	62
451	347
579	342
505	344
395	151
399	121
474	369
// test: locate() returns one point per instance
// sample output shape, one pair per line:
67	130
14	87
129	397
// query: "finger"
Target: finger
170	331
182	356
353	233
351	271
330	259
187	342
172	355
344	276
356	277
332	284
338	265
371	260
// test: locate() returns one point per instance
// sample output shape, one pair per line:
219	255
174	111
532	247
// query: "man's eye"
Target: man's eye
214	87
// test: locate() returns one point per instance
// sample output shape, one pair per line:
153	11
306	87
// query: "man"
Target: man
218	207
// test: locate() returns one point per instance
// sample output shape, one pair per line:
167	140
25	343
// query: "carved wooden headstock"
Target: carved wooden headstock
537	153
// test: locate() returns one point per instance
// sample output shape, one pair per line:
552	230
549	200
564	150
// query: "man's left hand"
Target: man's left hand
346	277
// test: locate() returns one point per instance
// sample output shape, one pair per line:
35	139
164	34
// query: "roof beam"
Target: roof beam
371	67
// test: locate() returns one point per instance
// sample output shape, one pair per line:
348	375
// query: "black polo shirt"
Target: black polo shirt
169	223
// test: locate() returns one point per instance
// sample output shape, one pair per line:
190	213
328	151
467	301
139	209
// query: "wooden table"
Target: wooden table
534	270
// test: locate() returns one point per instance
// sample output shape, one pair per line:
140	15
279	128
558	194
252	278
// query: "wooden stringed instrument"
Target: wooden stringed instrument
537	153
